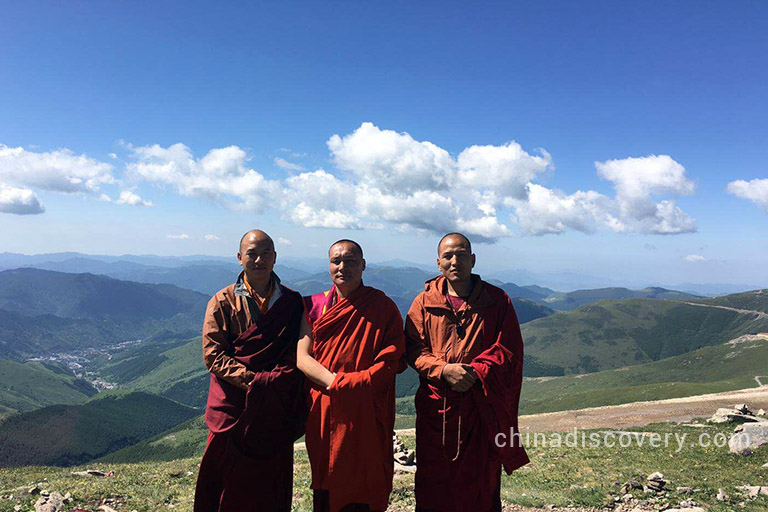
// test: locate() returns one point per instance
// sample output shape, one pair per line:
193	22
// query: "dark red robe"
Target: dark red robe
458	461
350	427
248	462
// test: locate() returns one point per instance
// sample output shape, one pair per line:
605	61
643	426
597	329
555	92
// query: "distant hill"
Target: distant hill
172	370
30	385
43	311
756	300
185	440
572	300
615	333
64	435
206	277
707	370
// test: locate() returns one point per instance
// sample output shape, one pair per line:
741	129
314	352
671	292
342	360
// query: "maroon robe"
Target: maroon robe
248	462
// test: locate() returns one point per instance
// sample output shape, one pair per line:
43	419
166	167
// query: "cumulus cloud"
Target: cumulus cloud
695	258
284	241
211	237
636	181
19	201
180	236
288	166
754	190
384	177
59	171
222	174
127	197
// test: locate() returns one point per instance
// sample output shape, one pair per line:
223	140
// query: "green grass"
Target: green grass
707	370
562	476
72	434
27	386
617	333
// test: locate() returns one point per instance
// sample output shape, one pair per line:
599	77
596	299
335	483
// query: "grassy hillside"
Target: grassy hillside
756	300
707	370
27	386
43	311
63	435
615	333
184	440
572	300
558	475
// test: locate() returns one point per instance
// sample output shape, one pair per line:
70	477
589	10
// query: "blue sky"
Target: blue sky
88	89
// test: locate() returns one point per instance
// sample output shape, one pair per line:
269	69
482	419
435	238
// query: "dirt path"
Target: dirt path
758	314
757	379
642	413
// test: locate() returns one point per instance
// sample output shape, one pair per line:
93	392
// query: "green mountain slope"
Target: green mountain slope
185	440
706	370
63	435
572	300
756	300
173	370
615	333
43	311
27	386
41	292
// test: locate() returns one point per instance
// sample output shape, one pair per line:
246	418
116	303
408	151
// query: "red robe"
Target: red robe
464	426
248	463
350	427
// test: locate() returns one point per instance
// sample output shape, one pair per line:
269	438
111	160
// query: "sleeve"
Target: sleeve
216	345
418	348
387	363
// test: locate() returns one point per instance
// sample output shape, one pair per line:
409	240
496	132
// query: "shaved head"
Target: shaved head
454	235
356	245
256	234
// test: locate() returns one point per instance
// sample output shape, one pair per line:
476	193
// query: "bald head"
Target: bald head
455	238
256	236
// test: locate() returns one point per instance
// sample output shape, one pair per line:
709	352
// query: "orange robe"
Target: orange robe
350	426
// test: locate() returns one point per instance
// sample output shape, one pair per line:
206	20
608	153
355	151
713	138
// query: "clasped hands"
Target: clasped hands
461	377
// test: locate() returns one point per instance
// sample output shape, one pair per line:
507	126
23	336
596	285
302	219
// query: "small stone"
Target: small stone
765	465
688	504
721	496
34	490
656	476
761	412
742	408
627	498
685	490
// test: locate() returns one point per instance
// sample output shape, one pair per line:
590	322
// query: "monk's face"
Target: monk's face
346	266
257	256
455	259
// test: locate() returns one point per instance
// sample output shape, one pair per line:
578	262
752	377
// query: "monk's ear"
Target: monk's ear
239	258
473	261
363	263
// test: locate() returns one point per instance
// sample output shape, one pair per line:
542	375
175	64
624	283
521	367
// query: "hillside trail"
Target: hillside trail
757	379
758	314
637	414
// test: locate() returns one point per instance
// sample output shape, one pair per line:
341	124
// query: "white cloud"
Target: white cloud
181	236
754	190
211	237
505	169
389	178
284	241
222	174
289	166
58	171
695	258
638	179
392	162
113	156
126	197
19	201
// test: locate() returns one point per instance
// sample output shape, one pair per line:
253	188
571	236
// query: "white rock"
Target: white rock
656	476
748	437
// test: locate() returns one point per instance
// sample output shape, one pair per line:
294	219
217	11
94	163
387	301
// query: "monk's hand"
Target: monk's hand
461	377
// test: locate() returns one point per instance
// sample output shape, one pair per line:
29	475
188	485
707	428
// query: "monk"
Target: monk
356	349
256	400
463	338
